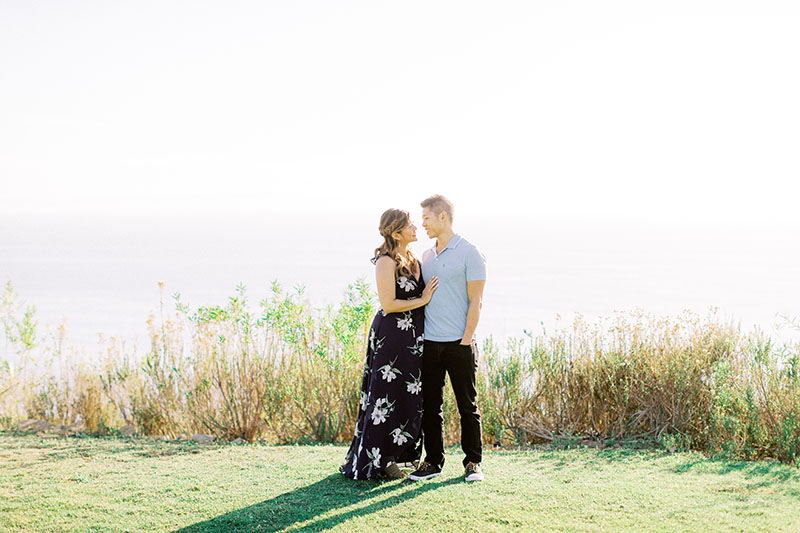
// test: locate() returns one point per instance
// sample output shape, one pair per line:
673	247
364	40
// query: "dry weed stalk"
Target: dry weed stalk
291	374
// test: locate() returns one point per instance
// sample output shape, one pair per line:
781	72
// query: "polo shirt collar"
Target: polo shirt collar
453	243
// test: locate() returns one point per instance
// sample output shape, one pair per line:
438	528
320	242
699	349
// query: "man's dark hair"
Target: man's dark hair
438	203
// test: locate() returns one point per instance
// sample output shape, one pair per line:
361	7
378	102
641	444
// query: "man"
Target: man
450	321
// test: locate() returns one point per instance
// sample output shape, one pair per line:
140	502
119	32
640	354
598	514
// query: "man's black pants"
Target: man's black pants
460	363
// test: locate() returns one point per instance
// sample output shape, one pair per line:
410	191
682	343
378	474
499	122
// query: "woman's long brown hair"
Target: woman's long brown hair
395	221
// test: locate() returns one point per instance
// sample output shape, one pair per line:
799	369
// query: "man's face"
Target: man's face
432	223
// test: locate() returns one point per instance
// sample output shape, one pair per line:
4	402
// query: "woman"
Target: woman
390	411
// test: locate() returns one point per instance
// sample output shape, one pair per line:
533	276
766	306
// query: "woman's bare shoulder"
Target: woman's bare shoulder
384	260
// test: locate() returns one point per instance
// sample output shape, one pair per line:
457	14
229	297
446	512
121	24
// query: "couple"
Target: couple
424	329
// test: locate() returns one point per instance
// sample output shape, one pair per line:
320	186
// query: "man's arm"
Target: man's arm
475	295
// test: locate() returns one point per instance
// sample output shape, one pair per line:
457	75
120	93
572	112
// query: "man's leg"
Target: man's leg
432	399
461	362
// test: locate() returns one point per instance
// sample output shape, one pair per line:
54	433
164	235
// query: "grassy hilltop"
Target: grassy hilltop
286	374
50	483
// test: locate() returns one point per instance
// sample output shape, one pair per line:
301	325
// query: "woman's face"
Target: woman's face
408	234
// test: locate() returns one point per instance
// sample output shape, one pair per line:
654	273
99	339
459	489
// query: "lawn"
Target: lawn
51	483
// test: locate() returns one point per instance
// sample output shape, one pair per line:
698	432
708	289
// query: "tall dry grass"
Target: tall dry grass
286	372
685	382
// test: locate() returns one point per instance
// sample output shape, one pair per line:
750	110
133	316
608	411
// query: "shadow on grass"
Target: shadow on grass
776	472
53	448
590	458
766	473
309	503
760	473
778	477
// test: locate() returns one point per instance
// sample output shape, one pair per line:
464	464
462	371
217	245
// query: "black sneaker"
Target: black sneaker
425	471
473	472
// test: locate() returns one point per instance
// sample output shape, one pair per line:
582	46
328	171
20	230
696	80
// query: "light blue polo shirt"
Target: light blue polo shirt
458	263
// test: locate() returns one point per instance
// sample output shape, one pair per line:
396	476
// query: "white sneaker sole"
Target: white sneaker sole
474	477
412	477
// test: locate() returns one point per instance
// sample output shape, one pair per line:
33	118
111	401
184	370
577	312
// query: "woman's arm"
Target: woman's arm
384	276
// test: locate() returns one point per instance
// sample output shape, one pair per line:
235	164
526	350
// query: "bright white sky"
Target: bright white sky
577	108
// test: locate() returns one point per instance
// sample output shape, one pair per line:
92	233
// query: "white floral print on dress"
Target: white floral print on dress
406	284
375	343
381	410
415	387
376	457
378	416
418	346
399	436
388	372
405	322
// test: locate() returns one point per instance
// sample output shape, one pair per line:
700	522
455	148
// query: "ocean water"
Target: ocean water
101	274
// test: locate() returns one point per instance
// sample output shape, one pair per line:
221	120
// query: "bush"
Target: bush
289	373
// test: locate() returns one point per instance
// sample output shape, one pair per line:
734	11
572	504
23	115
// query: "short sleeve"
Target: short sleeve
476	265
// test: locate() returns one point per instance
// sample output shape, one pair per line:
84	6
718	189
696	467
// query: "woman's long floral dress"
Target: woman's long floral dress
390	411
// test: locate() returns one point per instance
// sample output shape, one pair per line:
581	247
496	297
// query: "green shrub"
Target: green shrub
289	373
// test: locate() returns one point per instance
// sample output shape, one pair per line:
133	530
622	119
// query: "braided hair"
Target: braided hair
394	221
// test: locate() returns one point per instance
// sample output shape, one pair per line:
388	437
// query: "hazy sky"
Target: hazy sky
584	109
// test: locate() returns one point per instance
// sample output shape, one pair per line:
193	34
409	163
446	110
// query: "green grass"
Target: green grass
50	483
